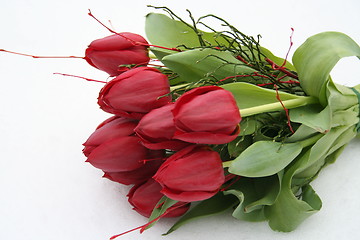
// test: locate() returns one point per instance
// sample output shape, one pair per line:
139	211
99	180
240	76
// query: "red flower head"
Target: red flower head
206	115
108	53
121	154
144	198
195	173
135	93
136	176
157	128
109	129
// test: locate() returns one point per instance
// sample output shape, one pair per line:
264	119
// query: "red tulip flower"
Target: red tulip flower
136	176
109	53
121	154
111	128
206	115
144	198
135	93
195	173
156	129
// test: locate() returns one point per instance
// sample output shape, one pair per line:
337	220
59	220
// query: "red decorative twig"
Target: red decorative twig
288	82
143	227
285	109
255	74
291	43
242	60
34	56
280	68
130	40
87	79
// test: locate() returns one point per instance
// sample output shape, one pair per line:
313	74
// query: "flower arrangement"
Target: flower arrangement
213	121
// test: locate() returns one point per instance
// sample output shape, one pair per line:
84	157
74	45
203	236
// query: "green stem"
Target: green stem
227	164
277	106
172	88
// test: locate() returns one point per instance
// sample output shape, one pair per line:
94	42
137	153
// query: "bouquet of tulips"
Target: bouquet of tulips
214	120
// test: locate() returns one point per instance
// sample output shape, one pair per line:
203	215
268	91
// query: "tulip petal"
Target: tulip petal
188	196
118	155
206	137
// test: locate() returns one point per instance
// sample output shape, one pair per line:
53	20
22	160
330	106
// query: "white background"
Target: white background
48	192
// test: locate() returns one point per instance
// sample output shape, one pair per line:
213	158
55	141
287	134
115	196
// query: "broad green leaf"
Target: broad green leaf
313	116
346	117
167	32
254	194
332	157
343	139
252	99
288	211
302	133
239	213
160	53
313	160
322	147
340	97
264	158
269	187
215	205
311	171
197	64
249	95
164	31
317	56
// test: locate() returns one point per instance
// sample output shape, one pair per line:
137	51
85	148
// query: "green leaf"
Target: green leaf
215	205
317	56
193	65
264	158
313	116
160	53
268	189
166	32
340	97
253	100
248	95
288	211
302	133
254	194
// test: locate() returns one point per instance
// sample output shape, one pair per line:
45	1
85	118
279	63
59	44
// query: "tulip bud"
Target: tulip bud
157	128
195	173
144	198
111	128
135	93
206	115
109	53
136	176
120	154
